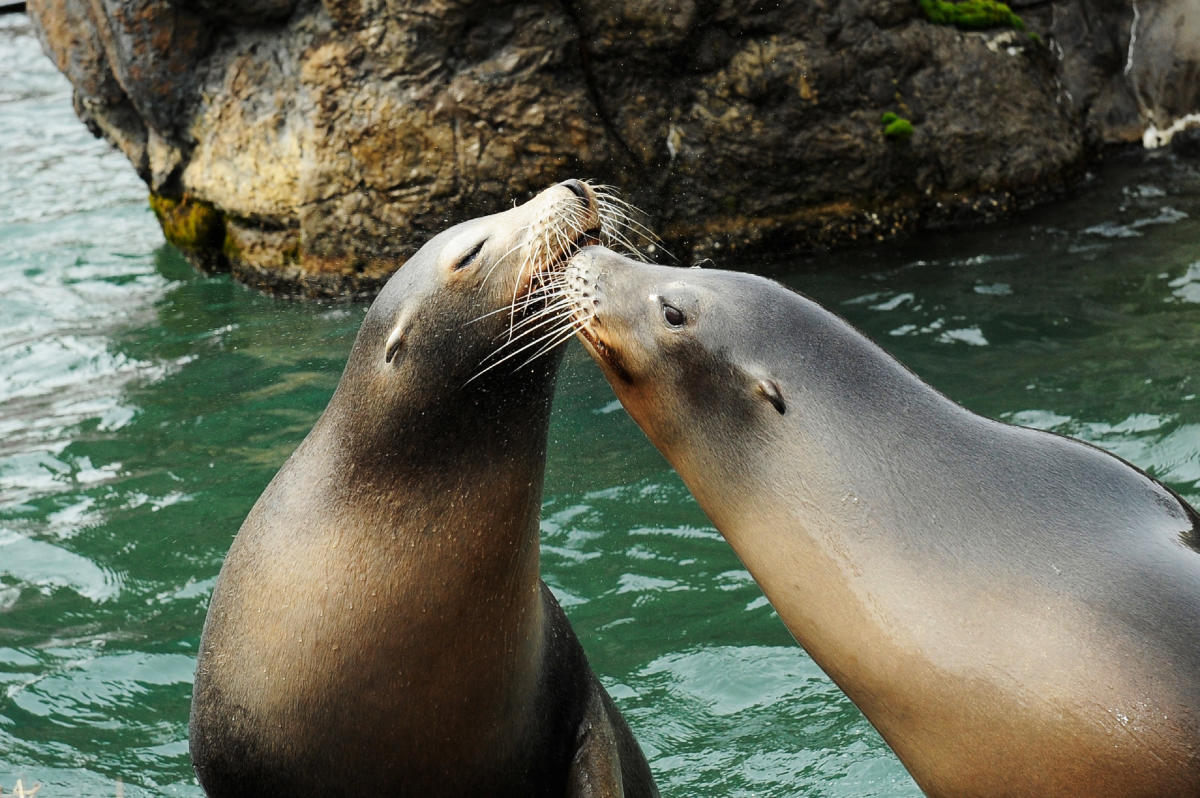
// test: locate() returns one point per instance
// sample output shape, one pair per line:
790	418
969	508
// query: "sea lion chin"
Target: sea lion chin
1018	613
378	626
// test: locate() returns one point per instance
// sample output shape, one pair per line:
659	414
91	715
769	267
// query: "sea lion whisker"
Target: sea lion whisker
609	192
487	315
488	274
615	237
558	246
622	214
565	244
550	307
537	320
529	335
559	231
551	332
618	237
615	221
613	211
532	257
521	242
619	207
576	221
637	228
568	332
622	219
512	308
609	197
550	285
545	297
621	230
515	352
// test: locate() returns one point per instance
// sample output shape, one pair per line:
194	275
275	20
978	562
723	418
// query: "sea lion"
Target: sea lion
1017	613
378	627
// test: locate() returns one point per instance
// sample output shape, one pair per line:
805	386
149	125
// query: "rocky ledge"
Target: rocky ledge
310	146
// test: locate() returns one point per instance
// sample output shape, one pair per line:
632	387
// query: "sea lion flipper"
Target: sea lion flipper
596	767
608	762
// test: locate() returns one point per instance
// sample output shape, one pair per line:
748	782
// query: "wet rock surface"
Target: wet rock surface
322	142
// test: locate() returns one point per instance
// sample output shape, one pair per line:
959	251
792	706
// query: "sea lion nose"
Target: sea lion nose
577	188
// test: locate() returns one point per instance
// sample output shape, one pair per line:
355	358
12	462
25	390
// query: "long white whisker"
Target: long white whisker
620	217
545	290
637	228
531	336
489	314
514	353
543	310
567	334
540	337
520	234
534	322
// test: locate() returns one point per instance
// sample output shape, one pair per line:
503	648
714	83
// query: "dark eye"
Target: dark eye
673	315
469	258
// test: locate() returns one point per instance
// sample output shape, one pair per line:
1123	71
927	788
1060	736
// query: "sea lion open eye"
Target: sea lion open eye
673	315
470	256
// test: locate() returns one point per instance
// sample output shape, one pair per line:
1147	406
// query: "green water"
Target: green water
143	408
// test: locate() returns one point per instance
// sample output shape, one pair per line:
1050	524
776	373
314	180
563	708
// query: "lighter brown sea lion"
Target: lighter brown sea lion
378	627
1018	613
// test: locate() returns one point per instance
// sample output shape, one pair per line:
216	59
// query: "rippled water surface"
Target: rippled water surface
143	408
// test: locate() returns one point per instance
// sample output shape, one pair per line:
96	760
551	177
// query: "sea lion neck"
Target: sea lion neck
503	413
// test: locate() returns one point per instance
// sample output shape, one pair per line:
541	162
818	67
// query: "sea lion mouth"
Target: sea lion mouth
604	352
542	284
539	316
588	238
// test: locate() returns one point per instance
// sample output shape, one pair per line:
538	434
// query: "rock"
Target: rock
1164	64
1091	42
1186	142
323	142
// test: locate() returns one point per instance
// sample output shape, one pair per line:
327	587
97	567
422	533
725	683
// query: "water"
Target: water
143	408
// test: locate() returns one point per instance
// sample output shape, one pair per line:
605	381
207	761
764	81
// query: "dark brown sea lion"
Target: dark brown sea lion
378	627
1018	613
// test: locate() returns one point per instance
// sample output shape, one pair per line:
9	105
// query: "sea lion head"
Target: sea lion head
692	354
467	321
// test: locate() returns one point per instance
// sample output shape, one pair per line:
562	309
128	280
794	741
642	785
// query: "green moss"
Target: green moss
899	128
1033	37
190	224
896	126
230	248
971	14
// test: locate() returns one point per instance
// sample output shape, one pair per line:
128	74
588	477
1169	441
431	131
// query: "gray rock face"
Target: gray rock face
1165	67
312	146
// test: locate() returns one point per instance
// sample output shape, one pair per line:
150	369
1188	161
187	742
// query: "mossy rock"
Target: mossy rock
896	126
971	14
899	128
195	227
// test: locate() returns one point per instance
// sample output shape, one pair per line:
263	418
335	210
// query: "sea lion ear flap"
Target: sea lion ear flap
768	389
395	343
